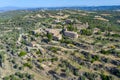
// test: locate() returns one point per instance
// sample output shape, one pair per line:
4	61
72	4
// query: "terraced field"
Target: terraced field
28	55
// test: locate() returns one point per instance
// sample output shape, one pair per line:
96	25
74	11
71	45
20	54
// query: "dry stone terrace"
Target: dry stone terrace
78	58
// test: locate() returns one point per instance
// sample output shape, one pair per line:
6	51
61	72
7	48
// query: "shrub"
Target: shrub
22	53
111	51
54	59
6	78
38	52
82	78
19	74
49	36
86	32
95	58
115	35
106	77
67	41
54	49
105	51
76	72
71	28
28	65
91	76
15	66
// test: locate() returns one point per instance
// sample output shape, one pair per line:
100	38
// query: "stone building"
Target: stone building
70	34
56	33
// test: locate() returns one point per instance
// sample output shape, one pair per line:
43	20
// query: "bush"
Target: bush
15	66
105	51
54	59
91	76
76	72
67	41
95	58
28	65
38	52
54	49
82	78
115	71
49	36
19	74
30	77
71	28
22	53
86	32
6	78
20	68
115	35
111	51
106	77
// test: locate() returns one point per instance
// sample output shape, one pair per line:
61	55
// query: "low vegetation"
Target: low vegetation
90	50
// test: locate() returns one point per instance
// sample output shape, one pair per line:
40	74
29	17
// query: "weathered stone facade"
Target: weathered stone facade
71	34
56	33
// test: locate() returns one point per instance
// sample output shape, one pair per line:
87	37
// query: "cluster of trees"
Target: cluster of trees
86	32
111	51
106	77
103	25
19	76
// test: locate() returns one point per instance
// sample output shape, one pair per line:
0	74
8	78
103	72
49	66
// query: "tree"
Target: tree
22	53
71	28
86	32
50	36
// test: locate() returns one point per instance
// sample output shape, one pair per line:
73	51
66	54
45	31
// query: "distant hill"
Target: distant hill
3	9
100	8
91	8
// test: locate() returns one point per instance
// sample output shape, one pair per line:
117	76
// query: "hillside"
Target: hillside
60	45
